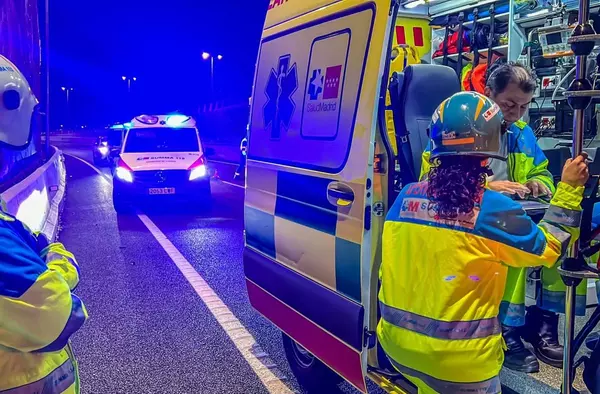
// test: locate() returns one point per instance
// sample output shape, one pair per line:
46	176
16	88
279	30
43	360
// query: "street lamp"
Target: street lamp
128	79
67	90
206	56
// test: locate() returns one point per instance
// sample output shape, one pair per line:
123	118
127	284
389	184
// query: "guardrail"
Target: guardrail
36	201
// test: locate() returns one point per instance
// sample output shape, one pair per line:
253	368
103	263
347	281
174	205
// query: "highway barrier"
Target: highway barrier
37	200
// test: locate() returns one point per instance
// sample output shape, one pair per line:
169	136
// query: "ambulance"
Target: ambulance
323	168
161	157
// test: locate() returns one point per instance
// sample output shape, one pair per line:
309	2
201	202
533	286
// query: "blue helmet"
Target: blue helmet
467	124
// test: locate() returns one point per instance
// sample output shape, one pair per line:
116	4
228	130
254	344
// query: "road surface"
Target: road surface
149	331
166	295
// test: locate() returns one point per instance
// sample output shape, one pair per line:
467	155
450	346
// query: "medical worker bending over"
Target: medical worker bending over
447	245
525	171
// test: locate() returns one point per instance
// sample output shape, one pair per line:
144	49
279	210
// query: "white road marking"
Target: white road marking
264	368
222	162
232	184
102	174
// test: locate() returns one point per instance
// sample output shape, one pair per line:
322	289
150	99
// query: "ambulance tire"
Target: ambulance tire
313	376
121	206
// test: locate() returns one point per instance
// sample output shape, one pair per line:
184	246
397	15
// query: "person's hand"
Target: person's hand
509	187
575	172
538	188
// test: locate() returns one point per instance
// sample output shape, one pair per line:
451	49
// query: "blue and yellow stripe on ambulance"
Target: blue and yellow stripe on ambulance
289	218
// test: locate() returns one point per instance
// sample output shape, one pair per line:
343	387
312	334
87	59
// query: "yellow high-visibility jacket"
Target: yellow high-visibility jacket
38	312
442	283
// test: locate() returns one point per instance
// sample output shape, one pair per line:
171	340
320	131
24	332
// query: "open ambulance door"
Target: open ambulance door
309	198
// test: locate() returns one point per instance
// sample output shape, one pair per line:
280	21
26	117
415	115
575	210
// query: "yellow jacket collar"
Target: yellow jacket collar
521	124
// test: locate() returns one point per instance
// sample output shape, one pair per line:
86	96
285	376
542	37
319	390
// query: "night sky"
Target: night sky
94	44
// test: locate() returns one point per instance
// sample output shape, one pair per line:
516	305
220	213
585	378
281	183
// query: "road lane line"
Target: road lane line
232	184
265	369
222	162
102	174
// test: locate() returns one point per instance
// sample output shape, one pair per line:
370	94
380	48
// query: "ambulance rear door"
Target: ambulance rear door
309	180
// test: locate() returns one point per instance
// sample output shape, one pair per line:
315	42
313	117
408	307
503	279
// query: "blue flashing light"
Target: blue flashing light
117	127
127	125
177	120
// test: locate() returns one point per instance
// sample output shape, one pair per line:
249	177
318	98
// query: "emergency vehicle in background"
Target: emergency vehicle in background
161	156
323	167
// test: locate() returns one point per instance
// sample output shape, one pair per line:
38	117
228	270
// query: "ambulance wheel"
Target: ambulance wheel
311	373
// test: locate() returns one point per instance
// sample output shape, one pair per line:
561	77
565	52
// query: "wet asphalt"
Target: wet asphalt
148	331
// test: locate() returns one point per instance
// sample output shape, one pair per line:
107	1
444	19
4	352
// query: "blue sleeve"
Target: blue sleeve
517	240
504	220
596	215
37	309
20	265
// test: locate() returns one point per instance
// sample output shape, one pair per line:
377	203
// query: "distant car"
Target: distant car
101	151
161	156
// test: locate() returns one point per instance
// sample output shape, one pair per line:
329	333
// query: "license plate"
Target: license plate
161	190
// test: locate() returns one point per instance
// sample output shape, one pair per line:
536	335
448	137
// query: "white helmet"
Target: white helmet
17	104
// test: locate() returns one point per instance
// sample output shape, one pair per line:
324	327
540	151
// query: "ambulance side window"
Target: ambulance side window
307	87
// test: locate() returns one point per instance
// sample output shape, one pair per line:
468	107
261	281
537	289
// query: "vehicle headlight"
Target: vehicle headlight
103	150
198	172
124	174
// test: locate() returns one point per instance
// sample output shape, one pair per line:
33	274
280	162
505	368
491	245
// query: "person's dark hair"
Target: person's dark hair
500	75
455	186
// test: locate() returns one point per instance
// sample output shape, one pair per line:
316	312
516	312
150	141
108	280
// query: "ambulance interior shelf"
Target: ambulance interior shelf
535	17
470	32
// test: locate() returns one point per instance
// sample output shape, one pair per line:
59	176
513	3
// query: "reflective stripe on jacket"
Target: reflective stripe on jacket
526	160
442	283
38	312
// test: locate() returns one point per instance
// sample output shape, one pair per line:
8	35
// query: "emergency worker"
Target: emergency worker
447	245
241	169
38	311
525	173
